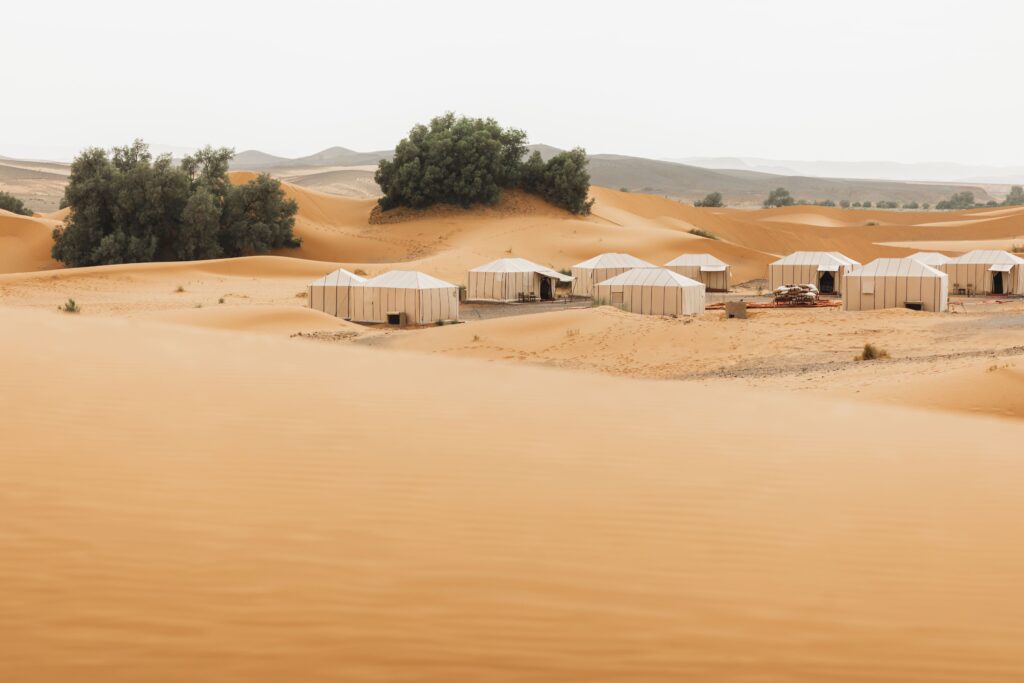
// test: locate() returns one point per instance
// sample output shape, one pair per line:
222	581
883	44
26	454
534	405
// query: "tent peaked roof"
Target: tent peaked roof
338	278
700	260
903	267
987	256
651	277
932	258
810	258
615	261
406	279
519	265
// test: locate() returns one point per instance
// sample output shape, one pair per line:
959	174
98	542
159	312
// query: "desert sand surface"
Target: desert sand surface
204	480
216	506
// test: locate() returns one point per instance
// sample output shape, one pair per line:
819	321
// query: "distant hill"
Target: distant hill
936	172
254	160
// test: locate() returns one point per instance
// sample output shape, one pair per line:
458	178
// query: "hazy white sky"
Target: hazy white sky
896	80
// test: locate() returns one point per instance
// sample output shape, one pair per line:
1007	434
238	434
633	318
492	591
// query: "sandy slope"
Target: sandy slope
25	243
219	507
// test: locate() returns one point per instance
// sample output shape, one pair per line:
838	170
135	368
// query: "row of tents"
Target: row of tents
922	281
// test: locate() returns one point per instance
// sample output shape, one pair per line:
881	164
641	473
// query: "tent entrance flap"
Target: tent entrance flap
1001	267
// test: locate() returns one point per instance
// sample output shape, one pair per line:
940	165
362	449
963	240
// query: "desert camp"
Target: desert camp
513	279
824	270
462	342
601	267
986	271
652	291
896	283
705	268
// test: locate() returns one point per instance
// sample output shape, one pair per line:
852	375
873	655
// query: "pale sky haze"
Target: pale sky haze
793	79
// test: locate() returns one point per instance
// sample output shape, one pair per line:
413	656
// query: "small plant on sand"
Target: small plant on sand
180	289
440	322
301	295
623	189
198	306
871	352
476	337
70	307
220	300
703	233
870	223
509	250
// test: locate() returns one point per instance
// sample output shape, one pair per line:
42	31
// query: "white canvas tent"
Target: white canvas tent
507	278
896	283
590	272
424	299
713	272
652	291
986	271
330	293
931	258
823	269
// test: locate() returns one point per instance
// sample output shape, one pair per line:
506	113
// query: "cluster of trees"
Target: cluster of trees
127	207
965	200
8	202
1015	197
466	161
711	200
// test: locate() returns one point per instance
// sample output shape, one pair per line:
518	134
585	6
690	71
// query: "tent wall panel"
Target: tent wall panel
711	279
978	277
874	292
654	300
497	286
587	278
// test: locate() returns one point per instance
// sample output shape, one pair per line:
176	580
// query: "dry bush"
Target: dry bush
872	352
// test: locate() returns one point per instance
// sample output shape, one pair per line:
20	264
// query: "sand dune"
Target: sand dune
227	508
25	243
278	320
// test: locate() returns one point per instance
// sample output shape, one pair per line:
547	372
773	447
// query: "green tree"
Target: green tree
465	161
128	207
711	200
866	205
779	197
1015	197
958	201
8	202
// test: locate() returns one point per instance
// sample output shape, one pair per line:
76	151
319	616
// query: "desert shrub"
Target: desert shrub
70	307
845	204
866	205
884	204
871	223
926	206
856	205
826	202
991	202
778	197
699	232
128	207
1015	197
623	189
871	352
911	205
959	200
8	202
465	161
220	300
711	200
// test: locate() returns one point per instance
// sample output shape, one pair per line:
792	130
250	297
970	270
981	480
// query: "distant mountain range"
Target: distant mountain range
254	160
872	170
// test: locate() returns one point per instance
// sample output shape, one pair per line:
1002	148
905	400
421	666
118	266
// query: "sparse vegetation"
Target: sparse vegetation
871	223
465	161
825	202
302	295
856	205
8	202
1015	197
623	189
871	352
845	204
926	206
884	204
778	197
911	205
220	300
476	337
70	307
127	207
700	232
711	200
180	289
866	205
959	201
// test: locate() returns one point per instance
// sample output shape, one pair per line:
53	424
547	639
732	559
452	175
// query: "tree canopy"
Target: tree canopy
8	202
959	200
1015	197
466	161
779	197
711	200
129	207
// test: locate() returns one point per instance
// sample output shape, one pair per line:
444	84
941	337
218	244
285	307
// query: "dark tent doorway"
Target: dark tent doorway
997	283
546	290
827	283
